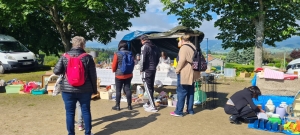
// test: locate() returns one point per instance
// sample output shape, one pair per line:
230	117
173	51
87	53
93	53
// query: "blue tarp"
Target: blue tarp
136	34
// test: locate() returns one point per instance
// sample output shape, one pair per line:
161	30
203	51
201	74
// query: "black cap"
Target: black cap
144	37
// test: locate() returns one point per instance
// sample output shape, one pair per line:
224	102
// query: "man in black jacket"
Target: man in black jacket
149	60
72	94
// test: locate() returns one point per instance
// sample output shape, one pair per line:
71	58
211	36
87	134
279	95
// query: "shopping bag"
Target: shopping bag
199	96
57	89
253	81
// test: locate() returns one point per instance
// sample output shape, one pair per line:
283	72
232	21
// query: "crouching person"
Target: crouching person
240	104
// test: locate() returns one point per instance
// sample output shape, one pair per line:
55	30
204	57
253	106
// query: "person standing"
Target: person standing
123	78
137	59
164	58
187	77
150	54
78	83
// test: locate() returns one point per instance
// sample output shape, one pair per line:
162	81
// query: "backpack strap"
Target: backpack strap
190	47
80	56
67	55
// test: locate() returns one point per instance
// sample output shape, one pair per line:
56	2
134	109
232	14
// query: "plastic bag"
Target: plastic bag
30	86
56	89
199	96
253	81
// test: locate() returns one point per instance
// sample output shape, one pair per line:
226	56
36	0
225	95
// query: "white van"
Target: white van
14	55
294	65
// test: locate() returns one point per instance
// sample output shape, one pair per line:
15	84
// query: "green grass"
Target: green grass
223	57
25	75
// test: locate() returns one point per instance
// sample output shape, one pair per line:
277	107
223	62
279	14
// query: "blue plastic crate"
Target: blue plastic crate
38	92
263	99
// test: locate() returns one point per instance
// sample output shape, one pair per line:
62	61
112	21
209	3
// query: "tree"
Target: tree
232	57
243	24
267	56
247	55
58	21
295	54
209	52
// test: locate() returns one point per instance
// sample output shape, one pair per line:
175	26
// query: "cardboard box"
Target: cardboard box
245	75
105	94
50	86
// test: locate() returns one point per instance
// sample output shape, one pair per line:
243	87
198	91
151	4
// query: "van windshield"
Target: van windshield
9	47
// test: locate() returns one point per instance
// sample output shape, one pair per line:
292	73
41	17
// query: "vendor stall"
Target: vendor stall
161	78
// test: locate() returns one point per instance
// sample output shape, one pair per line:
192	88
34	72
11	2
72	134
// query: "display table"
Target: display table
161	78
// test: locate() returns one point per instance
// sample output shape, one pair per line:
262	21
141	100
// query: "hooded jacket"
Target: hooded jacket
150	55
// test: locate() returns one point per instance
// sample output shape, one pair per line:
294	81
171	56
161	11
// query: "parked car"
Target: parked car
293	66
14	55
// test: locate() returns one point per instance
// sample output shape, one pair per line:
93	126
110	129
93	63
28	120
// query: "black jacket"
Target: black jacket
90	71
150	55
243	98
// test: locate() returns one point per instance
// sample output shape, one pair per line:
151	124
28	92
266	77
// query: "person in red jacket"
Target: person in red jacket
121	80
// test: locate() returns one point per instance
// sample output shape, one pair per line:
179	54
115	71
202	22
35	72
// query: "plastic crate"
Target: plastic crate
38	91
2	89
13	88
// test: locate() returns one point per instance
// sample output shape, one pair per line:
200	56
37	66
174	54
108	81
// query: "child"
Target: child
79	115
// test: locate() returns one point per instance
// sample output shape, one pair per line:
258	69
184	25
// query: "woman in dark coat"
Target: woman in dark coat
240	104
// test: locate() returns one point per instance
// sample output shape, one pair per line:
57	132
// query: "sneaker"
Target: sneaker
80	128
146	105
188	113
174	114
150	109
234	120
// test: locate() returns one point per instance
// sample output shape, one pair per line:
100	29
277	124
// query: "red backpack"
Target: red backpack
75	70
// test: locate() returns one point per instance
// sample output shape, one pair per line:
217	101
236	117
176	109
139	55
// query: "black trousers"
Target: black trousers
149	77
123	84
242	113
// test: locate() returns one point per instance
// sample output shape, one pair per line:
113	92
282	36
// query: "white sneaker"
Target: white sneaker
80	128
150	109
145	105
91	134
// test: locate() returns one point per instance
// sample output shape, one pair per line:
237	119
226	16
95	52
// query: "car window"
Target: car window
297	66
9	47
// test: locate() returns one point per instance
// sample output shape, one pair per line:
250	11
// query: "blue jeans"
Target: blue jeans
70	100
184	91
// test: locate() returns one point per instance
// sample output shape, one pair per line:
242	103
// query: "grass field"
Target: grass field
25	76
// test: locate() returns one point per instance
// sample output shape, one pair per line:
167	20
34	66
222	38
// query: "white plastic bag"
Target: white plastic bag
56	89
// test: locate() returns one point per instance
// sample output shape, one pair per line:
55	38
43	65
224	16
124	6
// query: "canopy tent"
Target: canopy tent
166	41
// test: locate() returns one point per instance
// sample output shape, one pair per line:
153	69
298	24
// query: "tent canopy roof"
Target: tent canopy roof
166	41
172	33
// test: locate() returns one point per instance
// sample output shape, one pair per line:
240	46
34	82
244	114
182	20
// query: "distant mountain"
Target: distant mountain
215	45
